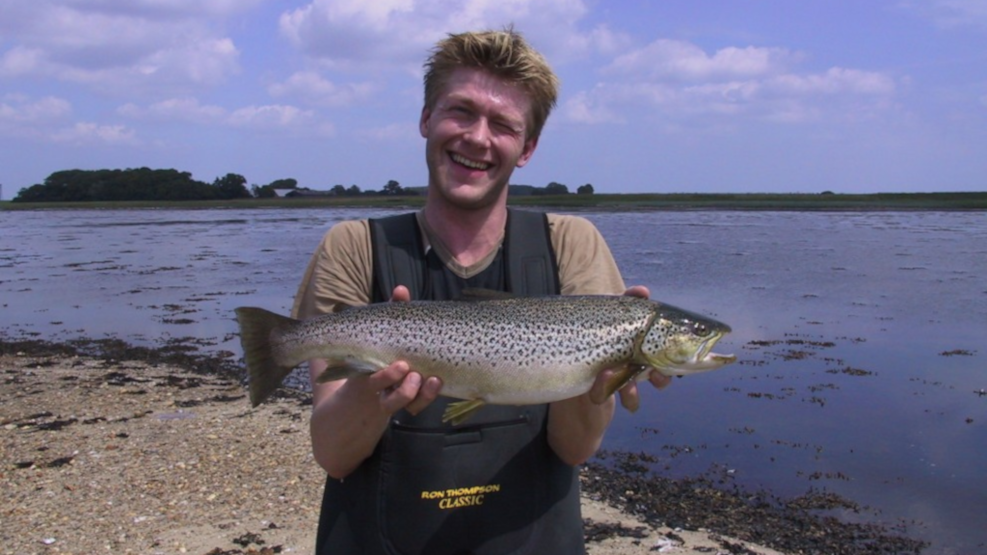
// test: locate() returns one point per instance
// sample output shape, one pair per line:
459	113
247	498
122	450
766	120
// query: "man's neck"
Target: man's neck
469	235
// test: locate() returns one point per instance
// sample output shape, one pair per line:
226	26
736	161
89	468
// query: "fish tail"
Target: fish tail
264	370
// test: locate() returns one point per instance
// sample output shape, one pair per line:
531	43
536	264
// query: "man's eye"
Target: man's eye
505	127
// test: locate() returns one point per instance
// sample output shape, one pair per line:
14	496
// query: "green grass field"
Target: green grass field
670	201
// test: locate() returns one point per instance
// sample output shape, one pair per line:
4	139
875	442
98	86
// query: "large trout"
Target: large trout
511	351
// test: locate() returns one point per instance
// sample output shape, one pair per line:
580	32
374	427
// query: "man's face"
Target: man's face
476	134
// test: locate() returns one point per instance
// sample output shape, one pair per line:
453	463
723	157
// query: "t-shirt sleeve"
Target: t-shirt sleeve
586	265
339	273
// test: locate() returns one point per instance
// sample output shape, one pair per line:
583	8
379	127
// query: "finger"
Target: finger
598	392
400	395
630	398
659	380
638	291
426	394
388	377
400	294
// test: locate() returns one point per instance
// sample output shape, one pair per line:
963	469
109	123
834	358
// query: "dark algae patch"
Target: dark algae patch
712	503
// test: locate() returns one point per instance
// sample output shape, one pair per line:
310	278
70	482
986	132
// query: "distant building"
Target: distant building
304	193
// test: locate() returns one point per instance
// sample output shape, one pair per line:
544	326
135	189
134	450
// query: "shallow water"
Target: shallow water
861	336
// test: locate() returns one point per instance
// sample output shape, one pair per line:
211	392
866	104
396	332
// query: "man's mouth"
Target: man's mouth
472	164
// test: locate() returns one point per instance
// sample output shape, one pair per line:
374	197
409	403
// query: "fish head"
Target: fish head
679	342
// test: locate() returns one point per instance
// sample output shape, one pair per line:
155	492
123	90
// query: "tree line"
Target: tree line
131	184
172	185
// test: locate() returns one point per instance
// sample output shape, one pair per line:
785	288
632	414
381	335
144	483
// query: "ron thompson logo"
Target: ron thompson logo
461	497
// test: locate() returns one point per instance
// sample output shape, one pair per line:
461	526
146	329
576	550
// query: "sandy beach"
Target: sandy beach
126	457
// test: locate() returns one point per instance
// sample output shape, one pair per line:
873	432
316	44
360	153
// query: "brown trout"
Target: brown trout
512	351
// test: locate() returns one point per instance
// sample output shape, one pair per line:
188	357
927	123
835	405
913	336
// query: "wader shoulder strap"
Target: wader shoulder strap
531	267
398	255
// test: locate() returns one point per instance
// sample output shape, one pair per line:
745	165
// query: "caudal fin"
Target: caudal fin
266	375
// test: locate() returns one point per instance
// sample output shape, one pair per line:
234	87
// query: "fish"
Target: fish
513	351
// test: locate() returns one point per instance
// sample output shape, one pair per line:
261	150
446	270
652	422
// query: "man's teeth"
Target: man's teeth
469	163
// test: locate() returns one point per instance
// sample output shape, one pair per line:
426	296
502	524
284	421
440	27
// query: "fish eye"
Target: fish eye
700	329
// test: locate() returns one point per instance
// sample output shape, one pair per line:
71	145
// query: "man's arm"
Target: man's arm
350	416
576	426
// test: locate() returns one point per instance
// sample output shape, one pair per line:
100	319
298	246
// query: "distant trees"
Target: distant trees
231	186
267	191
131	184
392	188
554	188
170	184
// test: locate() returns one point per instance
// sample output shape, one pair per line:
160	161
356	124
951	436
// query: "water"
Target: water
861	336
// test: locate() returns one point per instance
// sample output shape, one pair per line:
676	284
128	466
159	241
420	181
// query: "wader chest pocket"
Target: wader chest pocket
446	492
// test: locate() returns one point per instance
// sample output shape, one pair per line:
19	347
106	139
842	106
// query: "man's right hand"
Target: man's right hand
350	416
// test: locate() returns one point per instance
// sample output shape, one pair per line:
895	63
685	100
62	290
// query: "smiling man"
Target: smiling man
400	480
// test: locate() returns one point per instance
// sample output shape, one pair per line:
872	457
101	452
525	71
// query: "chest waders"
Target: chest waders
492	486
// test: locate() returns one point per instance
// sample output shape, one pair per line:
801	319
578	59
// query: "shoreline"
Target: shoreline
958	201
143	450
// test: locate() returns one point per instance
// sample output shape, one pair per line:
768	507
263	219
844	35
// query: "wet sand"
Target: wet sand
150	451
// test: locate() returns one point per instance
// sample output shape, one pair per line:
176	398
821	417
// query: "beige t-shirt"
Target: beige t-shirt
341	270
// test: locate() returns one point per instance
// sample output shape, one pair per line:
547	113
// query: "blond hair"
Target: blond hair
504	54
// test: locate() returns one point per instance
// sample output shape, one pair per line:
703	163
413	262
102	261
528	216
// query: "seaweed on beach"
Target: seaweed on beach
793	526
183	353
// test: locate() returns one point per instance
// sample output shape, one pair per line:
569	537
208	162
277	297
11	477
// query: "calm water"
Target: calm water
861	337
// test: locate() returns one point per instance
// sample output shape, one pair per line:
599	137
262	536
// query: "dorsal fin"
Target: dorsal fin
480	294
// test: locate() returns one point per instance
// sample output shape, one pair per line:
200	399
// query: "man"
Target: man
400	481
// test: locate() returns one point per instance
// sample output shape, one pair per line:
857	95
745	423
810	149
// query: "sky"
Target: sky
663	96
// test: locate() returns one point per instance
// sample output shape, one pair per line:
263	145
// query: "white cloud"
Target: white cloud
26	118
20	109
185	109
671	80
175	8
356	34
19	61
271	116
118	46
674	59
311	87
591	107
949	14
835	81
266	117
87	133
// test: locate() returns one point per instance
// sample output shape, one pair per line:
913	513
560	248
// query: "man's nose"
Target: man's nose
478	132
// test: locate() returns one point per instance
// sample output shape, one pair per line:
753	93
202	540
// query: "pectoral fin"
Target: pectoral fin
461	411
341	369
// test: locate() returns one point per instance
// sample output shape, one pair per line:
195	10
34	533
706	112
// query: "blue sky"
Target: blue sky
657	96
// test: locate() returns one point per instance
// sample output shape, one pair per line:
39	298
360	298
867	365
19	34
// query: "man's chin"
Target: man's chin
471	196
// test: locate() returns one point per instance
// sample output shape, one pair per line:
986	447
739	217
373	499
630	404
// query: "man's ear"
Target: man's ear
529	150
423	122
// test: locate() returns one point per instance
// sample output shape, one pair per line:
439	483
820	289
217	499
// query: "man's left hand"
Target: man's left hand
629	394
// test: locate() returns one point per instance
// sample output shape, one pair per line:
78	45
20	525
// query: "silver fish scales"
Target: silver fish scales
503	351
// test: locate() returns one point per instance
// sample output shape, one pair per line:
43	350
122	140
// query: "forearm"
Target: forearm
576	427
350	416
346	424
